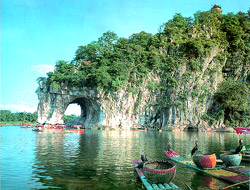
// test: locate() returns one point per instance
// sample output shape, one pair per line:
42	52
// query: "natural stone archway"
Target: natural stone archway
91	113
53	104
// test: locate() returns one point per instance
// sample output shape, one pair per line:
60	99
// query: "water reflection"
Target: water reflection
207	181
101	159
92	160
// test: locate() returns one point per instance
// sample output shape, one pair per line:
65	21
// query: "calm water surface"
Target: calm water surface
100	159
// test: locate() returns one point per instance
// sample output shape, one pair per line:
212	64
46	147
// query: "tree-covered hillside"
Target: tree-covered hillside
111	63
7	116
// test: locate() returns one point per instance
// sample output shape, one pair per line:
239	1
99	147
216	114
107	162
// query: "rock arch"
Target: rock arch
54	102
91	113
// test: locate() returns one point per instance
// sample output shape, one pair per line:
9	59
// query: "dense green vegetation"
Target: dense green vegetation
234	99
19	117
67	118
7	116
111	62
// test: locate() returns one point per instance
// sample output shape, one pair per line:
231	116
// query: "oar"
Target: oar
228	187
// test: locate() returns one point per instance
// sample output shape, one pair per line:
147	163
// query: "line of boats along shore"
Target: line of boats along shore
158	174
55	128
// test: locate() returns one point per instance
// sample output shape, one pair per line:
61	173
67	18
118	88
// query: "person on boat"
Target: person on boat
143	159
195	148
239	148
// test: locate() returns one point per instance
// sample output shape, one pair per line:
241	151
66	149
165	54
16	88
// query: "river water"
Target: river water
100	159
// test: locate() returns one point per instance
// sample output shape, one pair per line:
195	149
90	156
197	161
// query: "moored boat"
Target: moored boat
77	128
147	184
61	129
242	130
138	128
26	126
204	160
37	127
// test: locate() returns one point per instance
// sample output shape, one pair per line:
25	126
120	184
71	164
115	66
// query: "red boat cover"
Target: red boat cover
240	130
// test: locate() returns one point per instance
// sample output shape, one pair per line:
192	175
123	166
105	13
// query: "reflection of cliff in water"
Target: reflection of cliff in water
96	159
61	157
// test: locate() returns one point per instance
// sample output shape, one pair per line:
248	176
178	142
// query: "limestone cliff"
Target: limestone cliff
175	107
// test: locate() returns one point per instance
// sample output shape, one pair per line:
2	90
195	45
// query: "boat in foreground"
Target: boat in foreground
233	175
147	184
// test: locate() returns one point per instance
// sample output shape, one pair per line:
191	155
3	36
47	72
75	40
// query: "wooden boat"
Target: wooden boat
242	130
227	130
231	159
61	129
26	126
139	129
78	129
232	175
151	186
37	128
204	161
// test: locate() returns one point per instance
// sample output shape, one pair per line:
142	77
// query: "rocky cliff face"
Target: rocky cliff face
180	106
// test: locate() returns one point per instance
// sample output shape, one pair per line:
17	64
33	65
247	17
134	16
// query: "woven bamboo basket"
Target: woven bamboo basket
160	171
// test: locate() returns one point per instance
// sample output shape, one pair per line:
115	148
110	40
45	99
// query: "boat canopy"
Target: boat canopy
241	130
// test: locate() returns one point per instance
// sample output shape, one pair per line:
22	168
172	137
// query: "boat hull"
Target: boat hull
204	161
231	159
76	130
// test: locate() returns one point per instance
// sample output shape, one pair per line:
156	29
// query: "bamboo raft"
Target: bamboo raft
150	186
232	174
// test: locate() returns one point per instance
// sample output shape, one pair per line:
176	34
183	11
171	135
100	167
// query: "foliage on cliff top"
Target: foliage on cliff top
110	62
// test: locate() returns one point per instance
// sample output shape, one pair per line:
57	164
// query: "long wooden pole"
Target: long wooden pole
234	185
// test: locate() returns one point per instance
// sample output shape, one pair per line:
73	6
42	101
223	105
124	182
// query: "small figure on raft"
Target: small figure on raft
194	150
144	159
239	148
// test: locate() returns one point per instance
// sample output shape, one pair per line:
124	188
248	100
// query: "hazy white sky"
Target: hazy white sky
35	34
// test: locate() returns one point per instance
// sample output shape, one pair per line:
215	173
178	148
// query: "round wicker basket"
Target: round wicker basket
231	159
160	171
204	160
